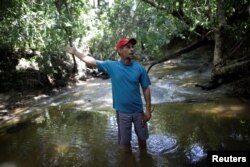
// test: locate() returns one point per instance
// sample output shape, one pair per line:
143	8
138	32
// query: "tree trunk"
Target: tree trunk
73	56
223	72
217	59
69	33
218	62
58	5
218	55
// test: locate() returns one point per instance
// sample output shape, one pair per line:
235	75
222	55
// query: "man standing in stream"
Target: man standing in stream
127	76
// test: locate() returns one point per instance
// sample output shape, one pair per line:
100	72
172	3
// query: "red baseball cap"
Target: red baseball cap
124	41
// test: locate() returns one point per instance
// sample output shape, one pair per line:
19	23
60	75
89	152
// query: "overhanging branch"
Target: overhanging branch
189	48
178	13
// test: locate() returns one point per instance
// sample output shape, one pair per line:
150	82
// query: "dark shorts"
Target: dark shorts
125	121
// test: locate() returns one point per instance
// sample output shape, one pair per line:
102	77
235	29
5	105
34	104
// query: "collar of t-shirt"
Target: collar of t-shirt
126	64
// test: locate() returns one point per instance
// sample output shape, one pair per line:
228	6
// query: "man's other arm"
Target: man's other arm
147	97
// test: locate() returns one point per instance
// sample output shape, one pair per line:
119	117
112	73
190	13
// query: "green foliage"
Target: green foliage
151	27
50	25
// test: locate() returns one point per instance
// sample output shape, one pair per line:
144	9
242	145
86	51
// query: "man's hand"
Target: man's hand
147	116
87	59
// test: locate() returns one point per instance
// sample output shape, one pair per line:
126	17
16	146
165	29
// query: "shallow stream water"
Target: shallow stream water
78	127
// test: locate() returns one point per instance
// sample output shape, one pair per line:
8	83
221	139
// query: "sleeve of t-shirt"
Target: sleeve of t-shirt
103	66
144	79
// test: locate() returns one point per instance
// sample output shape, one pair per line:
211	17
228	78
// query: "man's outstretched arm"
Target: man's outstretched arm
87	59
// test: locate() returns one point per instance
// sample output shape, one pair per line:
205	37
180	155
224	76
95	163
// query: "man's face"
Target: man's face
127	51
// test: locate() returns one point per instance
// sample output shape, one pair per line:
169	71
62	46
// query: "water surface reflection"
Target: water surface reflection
180	135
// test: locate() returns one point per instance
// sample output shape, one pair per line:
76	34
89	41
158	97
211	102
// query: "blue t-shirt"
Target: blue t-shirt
126	80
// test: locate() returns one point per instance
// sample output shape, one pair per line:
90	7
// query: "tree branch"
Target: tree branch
153	4
179	14
227	74
189	48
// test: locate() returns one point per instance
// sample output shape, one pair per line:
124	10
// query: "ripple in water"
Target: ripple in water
196	153
159	144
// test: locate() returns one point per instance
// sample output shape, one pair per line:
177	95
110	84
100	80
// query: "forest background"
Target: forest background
34	34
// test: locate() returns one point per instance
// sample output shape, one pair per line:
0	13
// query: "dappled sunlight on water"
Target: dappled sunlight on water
224	109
